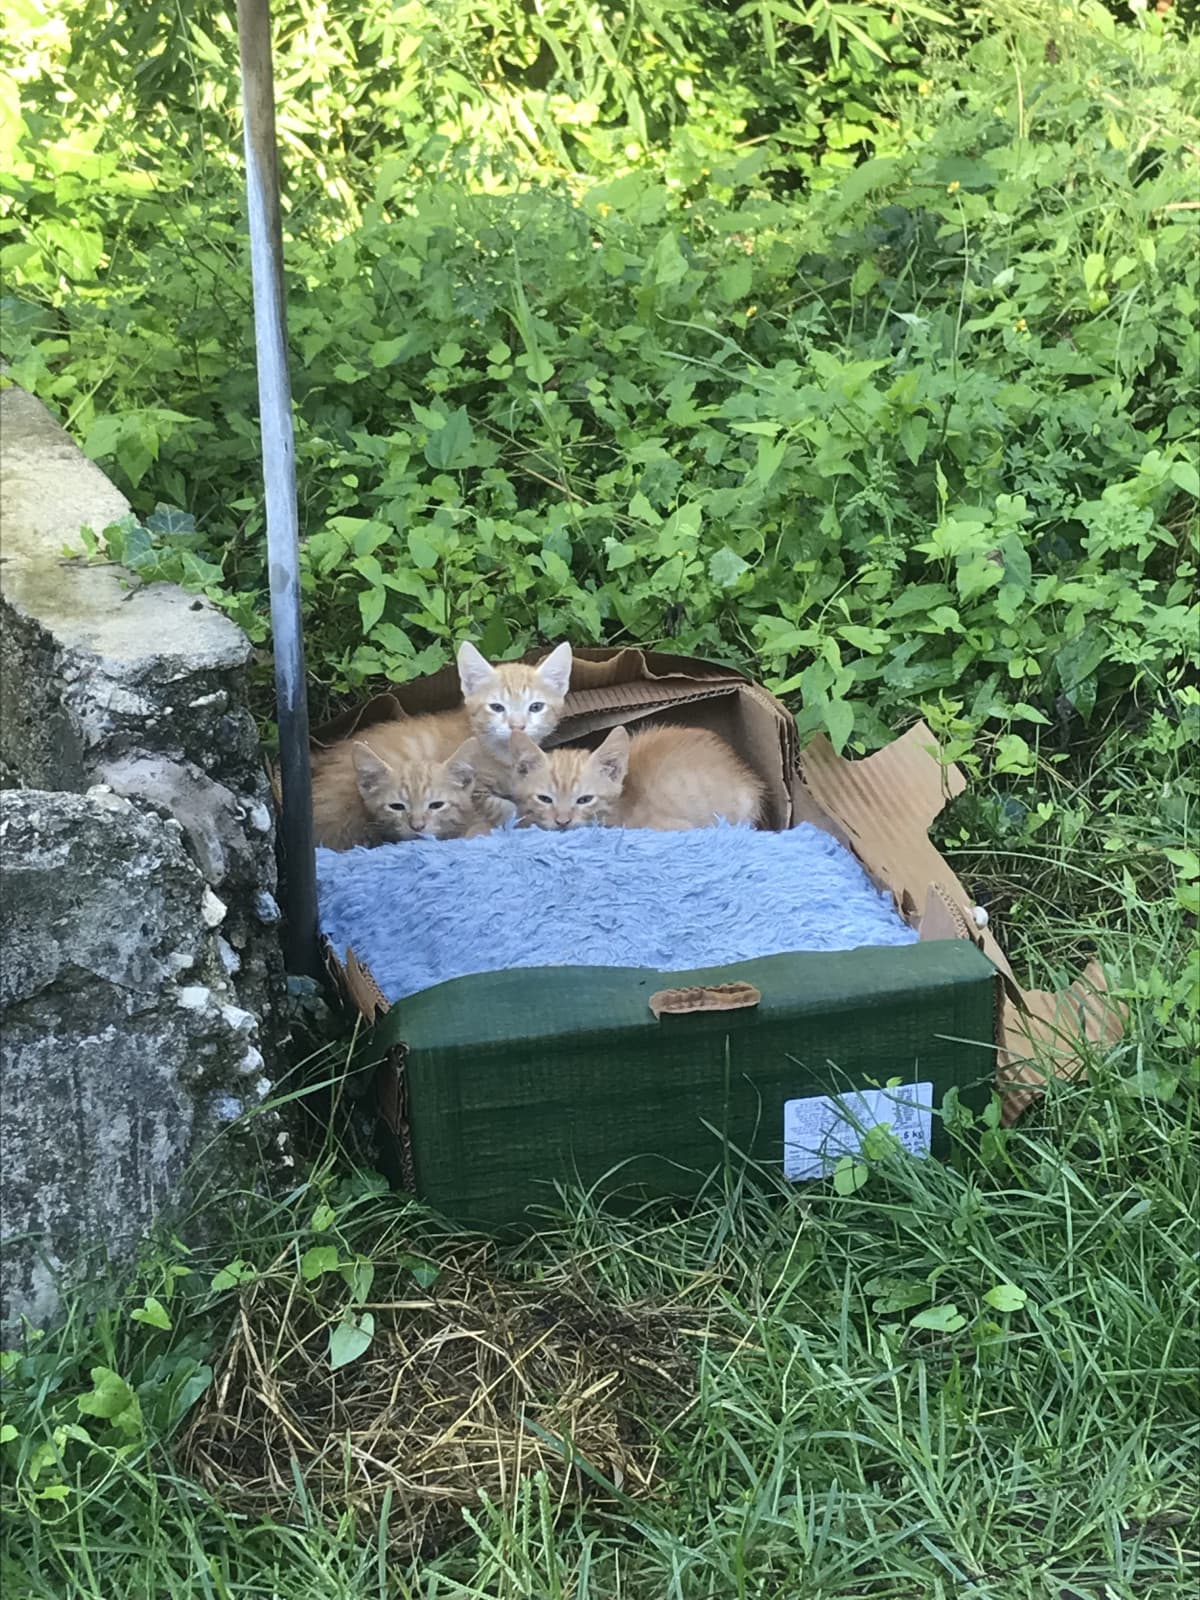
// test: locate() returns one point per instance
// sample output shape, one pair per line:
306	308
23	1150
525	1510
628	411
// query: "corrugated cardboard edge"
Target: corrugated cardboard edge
885	805
881	807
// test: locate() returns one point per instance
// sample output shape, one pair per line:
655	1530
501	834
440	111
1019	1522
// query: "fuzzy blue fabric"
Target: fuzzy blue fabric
420	913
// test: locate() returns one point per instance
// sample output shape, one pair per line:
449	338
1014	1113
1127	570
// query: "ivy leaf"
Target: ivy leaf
169	522
1006	1297
350	1339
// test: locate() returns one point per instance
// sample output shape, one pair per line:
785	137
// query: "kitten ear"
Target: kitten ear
460	767
524	756
555	670
611	759
473	670
372	773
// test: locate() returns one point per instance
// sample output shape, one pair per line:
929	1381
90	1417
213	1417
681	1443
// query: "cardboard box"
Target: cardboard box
493	1088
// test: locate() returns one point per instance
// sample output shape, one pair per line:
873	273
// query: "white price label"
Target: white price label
819	1131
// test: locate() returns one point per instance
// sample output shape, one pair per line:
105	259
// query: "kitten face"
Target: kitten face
415	799
561	789
512	698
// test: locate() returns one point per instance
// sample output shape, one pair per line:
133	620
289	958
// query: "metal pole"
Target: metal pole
279	477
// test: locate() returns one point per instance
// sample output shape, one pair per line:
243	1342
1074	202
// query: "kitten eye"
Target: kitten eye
537	705
497	707
435	805
544	799
584	799
397	805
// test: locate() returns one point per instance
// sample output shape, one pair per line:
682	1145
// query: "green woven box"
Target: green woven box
496	1088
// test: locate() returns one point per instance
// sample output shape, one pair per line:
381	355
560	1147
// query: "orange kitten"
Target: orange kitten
498	701
668	778
384	798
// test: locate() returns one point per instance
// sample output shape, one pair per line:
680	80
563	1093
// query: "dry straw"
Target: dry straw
466	1388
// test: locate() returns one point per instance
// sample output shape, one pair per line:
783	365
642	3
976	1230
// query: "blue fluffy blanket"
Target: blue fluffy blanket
420	913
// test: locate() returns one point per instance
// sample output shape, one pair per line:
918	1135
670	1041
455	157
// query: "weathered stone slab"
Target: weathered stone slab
123	1049
143	981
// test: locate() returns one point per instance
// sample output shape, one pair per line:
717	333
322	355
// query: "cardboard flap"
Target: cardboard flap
942	918
356	981
1052	1033
383	708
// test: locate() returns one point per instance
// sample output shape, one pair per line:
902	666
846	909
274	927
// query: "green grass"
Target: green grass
815	1440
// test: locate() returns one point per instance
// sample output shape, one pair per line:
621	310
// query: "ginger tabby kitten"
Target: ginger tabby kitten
349	804
667	778
404	798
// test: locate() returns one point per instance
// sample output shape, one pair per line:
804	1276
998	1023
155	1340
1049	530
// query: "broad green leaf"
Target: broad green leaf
424	556
725	568
1006	1297
850	1175
1187	861
350	1338
450	447
1014	755
112	1399
1077	661
1185	476
734	282
939	1319
229	1277
323	1217
668	262
359	1276
370	606
767	461
839	722
318	1260
8	1433
897	1295
426	1273
152	1312
385	351
913	433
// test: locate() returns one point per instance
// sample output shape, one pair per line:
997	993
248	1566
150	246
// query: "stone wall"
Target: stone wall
141	978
